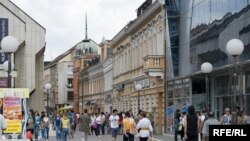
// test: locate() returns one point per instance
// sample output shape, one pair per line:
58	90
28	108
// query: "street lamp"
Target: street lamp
47	87
9	45
138	87
234	48
207	68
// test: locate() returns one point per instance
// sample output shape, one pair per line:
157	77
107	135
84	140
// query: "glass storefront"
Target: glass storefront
213	23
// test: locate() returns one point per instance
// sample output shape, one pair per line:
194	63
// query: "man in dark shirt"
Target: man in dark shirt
191	125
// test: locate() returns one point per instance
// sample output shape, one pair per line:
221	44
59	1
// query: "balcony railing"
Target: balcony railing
153	64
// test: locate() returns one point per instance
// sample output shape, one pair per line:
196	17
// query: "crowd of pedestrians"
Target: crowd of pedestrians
123	123
96	124
38	125
194	126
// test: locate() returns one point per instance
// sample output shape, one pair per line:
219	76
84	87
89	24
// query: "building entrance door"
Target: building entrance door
221	103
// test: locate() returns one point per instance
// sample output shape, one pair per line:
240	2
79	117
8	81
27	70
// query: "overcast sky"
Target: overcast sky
64	20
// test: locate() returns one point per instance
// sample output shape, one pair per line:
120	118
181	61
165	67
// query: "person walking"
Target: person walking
84	125
2	124
75	121
177	116
31	120
210	121
114	125
181	126
99	123
226	119
93	124
145	128
65	125
45	123
241	118
191	125
37	123
57	124
104	123
129	127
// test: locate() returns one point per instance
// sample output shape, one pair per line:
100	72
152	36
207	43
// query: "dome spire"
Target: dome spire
86	27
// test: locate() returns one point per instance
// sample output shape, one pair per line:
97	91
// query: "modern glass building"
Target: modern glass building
203	28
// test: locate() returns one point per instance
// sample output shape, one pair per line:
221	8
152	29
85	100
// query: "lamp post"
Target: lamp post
138	87
234	48
9	45
207	69
47	87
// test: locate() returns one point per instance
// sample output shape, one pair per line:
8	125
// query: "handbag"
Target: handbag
133	130
180	127
94	125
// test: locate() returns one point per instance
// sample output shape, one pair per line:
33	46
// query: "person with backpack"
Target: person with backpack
129	128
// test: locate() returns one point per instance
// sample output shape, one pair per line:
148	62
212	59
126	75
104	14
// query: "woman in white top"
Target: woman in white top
145	128
99	123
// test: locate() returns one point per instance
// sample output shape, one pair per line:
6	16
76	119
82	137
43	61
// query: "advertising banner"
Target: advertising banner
3	33
12	107
170	118
16	92
12	112
3	82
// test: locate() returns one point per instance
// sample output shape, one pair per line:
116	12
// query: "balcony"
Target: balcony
154	65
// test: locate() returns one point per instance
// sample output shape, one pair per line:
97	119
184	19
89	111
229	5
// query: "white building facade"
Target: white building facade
29	57
108	81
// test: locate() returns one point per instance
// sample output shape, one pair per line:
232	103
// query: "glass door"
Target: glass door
221	103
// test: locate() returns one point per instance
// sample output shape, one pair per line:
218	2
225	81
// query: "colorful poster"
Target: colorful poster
12	112
170	116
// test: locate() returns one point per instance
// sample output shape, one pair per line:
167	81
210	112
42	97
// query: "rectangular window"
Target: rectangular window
70	82
70	95
70	69
248	82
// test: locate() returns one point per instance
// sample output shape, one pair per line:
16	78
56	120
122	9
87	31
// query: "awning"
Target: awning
67	108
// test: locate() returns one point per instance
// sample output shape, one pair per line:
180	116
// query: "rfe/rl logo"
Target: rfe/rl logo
229	132
232	132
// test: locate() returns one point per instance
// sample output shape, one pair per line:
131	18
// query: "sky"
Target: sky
64	20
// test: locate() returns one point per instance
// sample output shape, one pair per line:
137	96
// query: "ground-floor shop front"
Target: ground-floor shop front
214	91
149	100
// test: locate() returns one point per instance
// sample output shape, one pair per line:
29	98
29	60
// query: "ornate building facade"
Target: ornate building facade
138	58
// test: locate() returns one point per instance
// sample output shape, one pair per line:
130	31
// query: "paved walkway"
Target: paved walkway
77	137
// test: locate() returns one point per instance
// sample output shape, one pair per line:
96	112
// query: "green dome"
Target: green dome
86	46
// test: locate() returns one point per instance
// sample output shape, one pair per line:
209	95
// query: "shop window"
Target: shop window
198	86
248	82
